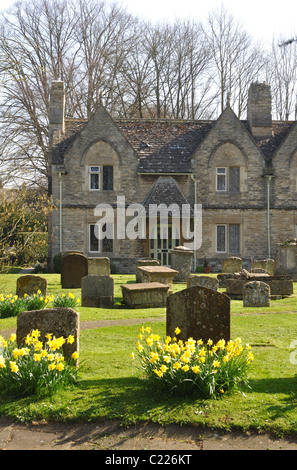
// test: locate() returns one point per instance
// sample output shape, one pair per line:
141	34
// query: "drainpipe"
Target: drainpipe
61	205
195	202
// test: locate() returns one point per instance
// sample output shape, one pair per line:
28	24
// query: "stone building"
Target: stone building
242	172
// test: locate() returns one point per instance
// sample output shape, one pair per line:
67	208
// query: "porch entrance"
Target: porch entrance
163	238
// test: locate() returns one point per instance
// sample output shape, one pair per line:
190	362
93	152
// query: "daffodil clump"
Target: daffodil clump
66	300
12	305
37	367
208	370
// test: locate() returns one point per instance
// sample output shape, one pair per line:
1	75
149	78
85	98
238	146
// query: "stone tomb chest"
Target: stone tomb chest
144	262
160	274
145	295
200	313
280	286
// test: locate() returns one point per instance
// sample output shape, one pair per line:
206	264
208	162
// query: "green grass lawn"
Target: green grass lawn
111	385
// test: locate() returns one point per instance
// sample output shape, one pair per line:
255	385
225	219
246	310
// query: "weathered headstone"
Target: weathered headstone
286	258
181	261
97	291
145	295
99	266
267	265
74	266
200	313
58	321
203	281
223	277
144	262
232	264
256	294
29	284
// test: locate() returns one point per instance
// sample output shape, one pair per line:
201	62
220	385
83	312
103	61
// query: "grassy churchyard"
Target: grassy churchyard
110	385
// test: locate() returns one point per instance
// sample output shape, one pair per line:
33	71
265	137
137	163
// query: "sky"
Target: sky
260	18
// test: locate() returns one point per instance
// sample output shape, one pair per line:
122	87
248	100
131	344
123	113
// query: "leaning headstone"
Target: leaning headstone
99	266
256	294
58	321
200	313
203	281
74	266
97	291
144	262
231	265
30	284
181	261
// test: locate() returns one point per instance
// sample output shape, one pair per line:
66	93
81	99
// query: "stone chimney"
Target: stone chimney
259	110
57	108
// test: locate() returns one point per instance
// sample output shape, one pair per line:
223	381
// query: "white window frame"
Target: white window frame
94	172
221	174
226	237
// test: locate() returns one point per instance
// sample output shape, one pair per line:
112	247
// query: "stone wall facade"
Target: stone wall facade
230	143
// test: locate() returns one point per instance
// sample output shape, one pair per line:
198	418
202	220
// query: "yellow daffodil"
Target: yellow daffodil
13	366
74	355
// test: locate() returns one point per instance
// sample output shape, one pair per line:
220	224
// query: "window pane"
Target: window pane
234	179
94	242
108	178
234	245
221	238
107	242
221	179
94	182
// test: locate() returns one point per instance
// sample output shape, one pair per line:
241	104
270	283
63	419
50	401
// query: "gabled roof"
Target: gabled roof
165	191
166	146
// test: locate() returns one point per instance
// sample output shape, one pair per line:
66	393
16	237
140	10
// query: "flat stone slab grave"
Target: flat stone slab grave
200	313
145	294
160	274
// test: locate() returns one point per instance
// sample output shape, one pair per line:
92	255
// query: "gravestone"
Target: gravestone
286	258
203	281
256	294
144	262
200	313
29	284
231	265
145	295
181	261
97	291
99	266
267	265
223	277
58	321
74	266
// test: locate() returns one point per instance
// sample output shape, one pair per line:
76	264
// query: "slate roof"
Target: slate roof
166	146
165	191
